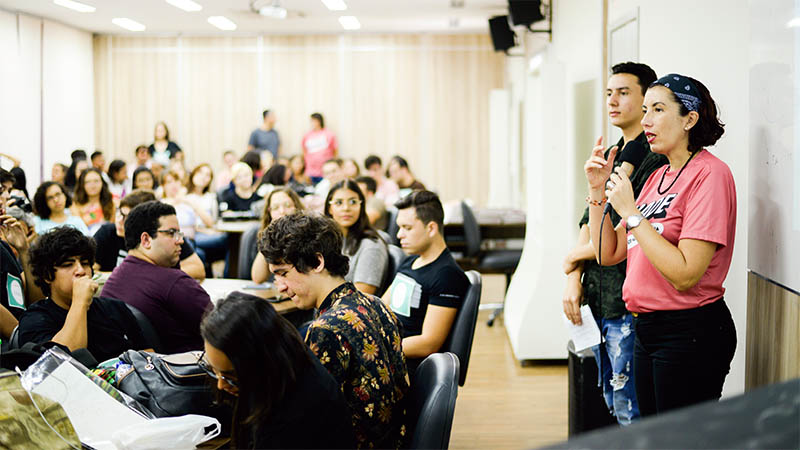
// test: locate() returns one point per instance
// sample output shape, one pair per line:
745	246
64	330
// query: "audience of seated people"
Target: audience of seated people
367	251
401	174
280	202
429	287
61	261
191	214
386	190
355	336
376	208
92	201
50	203
110	238
146	279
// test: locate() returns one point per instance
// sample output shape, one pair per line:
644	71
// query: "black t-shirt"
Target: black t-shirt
12	295
111	327
229	201
440	283
111	248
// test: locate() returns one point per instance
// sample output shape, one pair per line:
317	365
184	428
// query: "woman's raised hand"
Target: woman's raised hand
597	168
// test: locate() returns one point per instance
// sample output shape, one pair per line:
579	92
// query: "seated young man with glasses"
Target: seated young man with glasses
147	279
62	260
110	240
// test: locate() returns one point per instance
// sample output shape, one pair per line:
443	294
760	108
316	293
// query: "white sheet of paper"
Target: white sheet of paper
93	413
586	334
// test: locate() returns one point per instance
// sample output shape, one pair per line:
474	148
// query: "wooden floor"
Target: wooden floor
503	405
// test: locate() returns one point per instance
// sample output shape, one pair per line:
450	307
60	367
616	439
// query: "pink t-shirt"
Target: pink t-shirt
700	205
318	147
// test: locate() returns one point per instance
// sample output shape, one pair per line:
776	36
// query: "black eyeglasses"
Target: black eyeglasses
201	361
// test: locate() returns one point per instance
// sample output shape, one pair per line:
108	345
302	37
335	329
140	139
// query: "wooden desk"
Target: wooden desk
234	229
218	288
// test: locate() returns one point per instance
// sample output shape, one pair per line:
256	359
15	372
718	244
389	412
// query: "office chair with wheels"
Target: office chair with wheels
432	401
491	261
462	333
148	330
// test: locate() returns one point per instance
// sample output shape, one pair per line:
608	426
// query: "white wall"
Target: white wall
59	107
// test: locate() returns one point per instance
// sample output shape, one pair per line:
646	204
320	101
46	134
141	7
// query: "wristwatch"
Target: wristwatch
633	221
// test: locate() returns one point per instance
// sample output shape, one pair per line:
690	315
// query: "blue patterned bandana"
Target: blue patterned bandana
683	88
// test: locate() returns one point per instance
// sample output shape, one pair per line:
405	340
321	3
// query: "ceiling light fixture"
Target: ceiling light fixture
222	22
75	6
186	5
273	10
335	5
128	24
350	22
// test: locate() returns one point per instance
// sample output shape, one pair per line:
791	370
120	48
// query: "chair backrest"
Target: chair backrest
248	249
463	331
396	257
432	401
472	231
148	330
391	226
13	341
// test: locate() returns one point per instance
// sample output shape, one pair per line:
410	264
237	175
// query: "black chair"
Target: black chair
248	249
396	257
13	341
432	401
462	333
391	226
148	330
492	261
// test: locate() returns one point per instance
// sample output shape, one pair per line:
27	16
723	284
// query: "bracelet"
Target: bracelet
596	202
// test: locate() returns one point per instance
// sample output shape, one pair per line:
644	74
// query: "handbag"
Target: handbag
171	385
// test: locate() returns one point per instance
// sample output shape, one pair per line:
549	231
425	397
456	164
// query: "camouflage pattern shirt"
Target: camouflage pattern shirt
608	304
356	337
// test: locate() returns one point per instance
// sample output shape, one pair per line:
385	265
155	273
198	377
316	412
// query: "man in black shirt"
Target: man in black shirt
110	240
62	260
429	286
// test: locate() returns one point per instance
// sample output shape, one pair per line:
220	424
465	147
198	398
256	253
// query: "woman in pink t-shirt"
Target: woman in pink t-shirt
678	239
319	145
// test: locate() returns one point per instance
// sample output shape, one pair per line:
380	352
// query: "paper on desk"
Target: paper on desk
94	414
586	334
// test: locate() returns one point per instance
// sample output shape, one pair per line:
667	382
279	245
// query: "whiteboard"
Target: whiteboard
774	184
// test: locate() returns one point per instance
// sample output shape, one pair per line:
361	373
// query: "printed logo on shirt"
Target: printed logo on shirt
406	294
632	242
657	209
16	298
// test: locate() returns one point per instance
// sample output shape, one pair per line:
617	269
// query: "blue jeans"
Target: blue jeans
614	359
212	247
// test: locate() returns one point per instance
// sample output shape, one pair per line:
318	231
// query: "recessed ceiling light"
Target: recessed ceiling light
222	22
186	5
335	5
75	6
128	24
350	22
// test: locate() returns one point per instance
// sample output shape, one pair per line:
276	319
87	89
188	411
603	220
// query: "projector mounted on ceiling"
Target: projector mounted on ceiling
269	8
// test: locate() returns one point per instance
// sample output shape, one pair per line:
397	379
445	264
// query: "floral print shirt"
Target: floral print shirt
357	338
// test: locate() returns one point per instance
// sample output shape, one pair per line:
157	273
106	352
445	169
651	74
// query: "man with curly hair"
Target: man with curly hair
62	260
355	336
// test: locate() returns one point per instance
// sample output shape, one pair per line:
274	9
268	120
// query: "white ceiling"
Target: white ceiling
305	16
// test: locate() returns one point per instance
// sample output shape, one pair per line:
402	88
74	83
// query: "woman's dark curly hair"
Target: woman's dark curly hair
106	201
359	230
299	238
55	247
40	207
708	129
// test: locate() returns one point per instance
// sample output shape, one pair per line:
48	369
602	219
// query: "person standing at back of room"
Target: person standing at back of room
601	287
265	137
319	145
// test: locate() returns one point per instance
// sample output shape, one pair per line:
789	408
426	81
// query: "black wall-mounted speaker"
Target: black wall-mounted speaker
503	37
525	12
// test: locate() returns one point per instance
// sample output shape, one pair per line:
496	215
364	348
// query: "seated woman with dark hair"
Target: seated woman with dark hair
284	397
118	175
368	253
50	203
143	178
93	201
61	261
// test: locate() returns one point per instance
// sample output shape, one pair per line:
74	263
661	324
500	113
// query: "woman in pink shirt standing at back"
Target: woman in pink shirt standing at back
319	145
678	240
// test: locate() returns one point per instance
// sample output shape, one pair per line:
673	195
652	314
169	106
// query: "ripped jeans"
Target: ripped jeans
614	359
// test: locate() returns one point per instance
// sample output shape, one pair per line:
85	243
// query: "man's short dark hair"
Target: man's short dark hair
77	154
55	247
642	72
265	113
40	199
372	186
6	177
426	205
318	117
144	219
337	161
95	154
298	238
400	161
136	197
372	159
